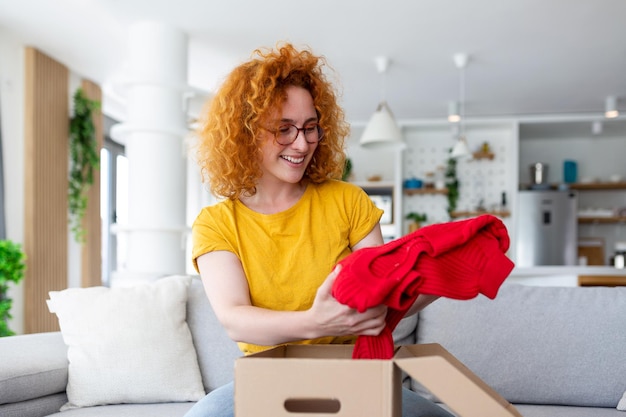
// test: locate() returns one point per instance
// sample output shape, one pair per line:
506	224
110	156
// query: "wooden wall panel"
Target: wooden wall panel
91	265
46	169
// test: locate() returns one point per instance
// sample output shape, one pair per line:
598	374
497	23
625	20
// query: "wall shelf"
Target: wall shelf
602	220
425	191
497	213
580	186
599	186
483	155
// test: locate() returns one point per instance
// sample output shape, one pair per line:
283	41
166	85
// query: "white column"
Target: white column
154	135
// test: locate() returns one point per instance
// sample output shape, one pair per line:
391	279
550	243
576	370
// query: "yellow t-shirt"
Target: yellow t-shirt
286	256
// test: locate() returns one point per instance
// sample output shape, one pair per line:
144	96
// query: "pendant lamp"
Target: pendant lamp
461	149
610	110
382	131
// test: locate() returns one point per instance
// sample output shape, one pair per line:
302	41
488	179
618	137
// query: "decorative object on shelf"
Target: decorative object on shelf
382	131
484	152
452	183
347	170
416	220
440	178
570	171
12	267
84	160
413	183
461	149
429	180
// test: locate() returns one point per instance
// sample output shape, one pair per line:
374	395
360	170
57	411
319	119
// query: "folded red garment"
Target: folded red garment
459	260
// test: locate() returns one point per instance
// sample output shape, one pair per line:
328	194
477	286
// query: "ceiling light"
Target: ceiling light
382	131
454	111
610	110
461	149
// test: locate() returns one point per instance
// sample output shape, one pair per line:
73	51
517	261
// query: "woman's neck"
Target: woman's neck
271	199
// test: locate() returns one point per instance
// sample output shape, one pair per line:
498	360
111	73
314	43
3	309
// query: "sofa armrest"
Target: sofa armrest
32	366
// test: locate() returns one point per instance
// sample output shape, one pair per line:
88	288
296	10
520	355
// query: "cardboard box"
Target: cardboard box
320	380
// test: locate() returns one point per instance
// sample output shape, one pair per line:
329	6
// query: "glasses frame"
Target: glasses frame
320	132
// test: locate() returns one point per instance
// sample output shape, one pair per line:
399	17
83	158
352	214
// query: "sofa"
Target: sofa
551	351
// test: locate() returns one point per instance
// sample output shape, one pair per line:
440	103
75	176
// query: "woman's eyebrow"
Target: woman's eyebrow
310	119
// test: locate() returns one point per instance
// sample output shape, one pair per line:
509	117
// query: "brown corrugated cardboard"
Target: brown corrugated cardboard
452	382
320	380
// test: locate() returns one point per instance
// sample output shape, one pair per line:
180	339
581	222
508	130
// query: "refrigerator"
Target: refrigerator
547	228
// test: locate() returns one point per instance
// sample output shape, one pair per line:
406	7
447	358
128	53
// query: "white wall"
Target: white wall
12	125
598	157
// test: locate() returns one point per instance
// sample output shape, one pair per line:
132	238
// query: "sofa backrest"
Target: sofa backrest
216	351
538	345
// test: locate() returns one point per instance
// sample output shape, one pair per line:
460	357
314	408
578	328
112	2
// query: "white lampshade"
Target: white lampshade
460	149
382	132
610	111
454	112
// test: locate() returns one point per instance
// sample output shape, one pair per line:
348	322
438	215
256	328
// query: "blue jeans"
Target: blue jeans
220	403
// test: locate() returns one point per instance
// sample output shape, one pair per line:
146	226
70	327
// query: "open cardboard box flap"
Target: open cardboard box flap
452	382
325	380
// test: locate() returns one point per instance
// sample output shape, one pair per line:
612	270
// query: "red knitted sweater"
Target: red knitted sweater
457	260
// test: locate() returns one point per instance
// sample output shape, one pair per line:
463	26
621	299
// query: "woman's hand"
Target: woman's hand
336	319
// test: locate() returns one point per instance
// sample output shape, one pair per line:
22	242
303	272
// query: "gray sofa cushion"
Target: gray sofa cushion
538	345
37	407
129	410
404	333
565	411
44	373
216	351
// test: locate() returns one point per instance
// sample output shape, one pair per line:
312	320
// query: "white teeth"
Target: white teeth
293	160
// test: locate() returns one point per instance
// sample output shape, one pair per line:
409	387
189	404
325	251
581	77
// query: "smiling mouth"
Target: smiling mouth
293	160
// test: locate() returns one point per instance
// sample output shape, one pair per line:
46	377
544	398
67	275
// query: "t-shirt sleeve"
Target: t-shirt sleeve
364	214
207	236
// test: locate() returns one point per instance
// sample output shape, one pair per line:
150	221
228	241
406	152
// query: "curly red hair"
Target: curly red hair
228	149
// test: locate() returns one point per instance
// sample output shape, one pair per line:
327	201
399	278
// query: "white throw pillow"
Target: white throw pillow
128	345
622	403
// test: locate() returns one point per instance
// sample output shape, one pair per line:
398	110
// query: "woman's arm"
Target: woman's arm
227	289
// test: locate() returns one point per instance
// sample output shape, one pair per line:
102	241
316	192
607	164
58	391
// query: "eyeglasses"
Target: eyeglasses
287	134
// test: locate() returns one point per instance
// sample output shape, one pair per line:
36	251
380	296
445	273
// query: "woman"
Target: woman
272	144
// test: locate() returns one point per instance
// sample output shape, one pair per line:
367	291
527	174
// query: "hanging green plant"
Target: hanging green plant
347	170
452	183
84	160
12	267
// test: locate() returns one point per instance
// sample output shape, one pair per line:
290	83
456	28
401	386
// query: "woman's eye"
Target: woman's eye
284	130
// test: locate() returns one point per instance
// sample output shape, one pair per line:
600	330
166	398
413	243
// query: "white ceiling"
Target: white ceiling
527	57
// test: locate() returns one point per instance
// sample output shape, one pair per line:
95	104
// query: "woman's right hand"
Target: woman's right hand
336	319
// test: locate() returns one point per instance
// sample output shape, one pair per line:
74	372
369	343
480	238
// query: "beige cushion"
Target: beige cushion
128	345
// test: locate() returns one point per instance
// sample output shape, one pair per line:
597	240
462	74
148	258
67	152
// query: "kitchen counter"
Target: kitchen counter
565	276
534	271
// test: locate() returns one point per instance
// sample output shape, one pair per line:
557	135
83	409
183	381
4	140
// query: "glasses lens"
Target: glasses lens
287	134
313	133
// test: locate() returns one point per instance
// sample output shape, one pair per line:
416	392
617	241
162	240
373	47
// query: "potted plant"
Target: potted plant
12	266
416	220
